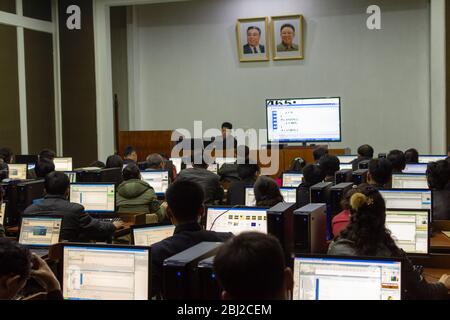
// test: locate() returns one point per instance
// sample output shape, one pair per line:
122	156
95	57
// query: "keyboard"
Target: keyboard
40	252
110	219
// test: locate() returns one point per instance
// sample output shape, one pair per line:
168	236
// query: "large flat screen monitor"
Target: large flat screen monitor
303	120
236	220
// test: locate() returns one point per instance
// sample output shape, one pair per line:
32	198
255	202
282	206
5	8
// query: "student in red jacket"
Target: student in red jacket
341	221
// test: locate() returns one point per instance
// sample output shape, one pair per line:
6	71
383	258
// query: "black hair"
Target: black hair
251	266
128	151
43	167
267	192
227	125
366	151
98	164
412	156
47	154
114	161
131	171
56	183
250	28
380	170
398	160
297	164
154	161
329	164
319	152
367	229
6	154
312	174
247	171
184	198
15	259
198	160
287	25
438	175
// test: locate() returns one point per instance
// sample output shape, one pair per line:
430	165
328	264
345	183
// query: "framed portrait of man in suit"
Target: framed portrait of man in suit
253	39
287	37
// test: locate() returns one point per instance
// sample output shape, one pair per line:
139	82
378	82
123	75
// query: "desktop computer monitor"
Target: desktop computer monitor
63	164
409	229
236	220
72	176
347	278
409	181
289	194
40	231
407	199
105	272
157	179
25	158
17	171
292	179
95	198
415	168
347	158
177	163
146	235
427	159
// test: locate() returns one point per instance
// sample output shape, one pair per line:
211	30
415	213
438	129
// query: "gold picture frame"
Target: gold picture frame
290	44
256	48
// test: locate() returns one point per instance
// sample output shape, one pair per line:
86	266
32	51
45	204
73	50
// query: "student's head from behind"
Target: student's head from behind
131	171
114	161
297	164
380	171
319	152
267	192
248	171
412	156
438	175
97	164
57	184
398	160
130	153
329	165
312	174
15	268
185	201
47	154
251	266
155	161
365	151
253	36
200	160
43	167
6	154
226	129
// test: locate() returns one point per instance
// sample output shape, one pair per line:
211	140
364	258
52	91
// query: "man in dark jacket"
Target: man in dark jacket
311	176
77	225
365	152
236	192
185	208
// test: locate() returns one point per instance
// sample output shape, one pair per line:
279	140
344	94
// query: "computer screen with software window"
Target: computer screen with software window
415	168
157	179
94	197
427	159
409	181
349	278
105	273
289	195
292	179
407	199
345	166
409	229
63	164
17	171
236	220
146	236
40	231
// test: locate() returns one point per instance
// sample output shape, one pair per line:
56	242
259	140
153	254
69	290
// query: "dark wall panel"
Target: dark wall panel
8	6
37	9
9	90
79	119
40	91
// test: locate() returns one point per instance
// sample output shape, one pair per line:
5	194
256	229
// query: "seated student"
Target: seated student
365	152
380	173
207	180
412	156
398	161
185	207
114	161
43	167
17	265
77	225
311	175
156	161
248	173
228	172
438	177
267	192
329	165
251	266
318	153
130	155
137	196
7	155
341	220
366	235
47	154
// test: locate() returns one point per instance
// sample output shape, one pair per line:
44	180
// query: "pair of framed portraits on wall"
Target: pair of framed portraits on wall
286	38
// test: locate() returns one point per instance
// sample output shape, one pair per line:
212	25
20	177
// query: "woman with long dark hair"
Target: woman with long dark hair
366	235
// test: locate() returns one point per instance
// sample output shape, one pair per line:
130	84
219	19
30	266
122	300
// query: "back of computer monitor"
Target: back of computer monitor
27	192
111	175
89	176
280	219
25	158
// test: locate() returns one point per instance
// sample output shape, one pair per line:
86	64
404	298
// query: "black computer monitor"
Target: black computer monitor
26	159
109	175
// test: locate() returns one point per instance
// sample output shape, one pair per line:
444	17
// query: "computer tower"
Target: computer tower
280	219
337	193
360	176
320	193
310	229
180	277
209	288
10	197
363	164
27	192
344	176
